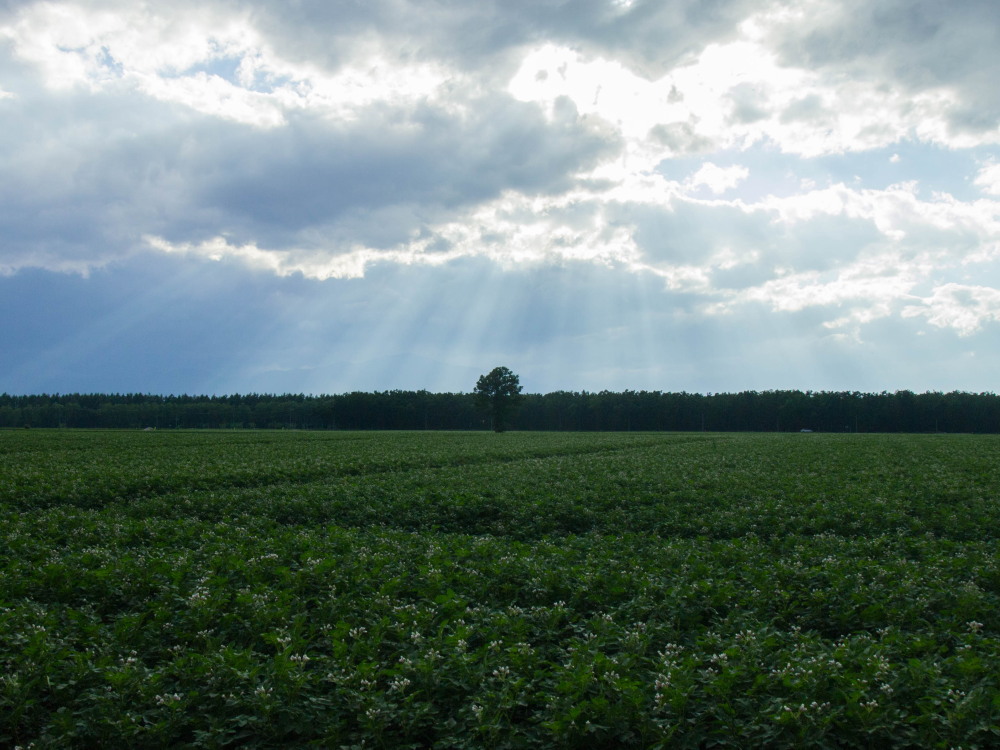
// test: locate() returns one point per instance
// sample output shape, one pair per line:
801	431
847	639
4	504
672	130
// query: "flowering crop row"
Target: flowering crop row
470	590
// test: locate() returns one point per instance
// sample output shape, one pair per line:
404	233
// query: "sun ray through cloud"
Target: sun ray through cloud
597	198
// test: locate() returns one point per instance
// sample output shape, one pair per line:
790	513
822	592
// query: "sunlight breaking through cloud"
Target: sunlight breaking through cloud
212	63
799	170
347	265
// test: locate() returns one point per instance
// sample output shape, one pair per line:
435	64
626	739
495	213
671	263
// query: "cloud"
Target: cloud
916	48
988	179
908	243
735	92
184	324
209	60
346	265
374	181
309	174
490	37
819	166
963	308
717	179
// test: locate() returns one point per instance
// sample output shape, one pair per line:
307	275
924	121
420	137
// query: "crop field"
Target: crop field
338	589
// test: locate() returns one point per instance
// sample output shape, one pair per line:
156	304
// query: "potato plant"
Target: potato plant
648	590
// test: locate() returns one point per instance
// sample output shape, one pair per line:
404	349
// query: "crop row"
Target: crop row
530	590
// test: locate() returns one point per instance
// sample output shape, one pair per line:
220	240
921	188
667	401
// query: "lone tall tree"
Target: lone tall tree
498	394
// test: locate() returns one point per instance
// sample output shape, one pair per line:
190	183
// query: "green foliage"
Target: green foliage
498	393
755	411
279	589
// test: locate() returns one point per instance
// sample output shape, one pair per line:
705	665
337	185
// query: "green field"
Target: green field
297	589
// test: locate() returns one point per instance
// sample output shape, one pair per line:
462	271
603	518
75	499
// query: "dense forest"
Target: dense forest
768	411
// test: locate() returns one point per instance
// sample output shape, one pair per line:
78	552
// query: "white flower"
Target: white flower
398	684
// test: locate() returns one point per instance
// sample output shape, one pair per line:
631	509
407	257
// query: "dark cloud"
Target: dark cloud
102	173
807	109
85	175
650	36
310	174
919	44
681	137
749	104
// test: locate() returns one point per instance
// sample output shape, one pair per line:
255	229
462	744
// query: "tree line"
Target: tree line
761	411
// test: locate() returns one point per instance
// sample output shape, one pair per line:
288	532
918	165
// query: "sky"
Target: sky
323	196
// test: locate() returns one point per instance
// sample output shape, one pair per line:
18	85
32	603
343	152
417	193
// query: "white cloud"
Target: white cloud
168	57
735	94
350	264
789	241
911	243
988	179
212	95
512	231
961	307
717	179
854	284
905	48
